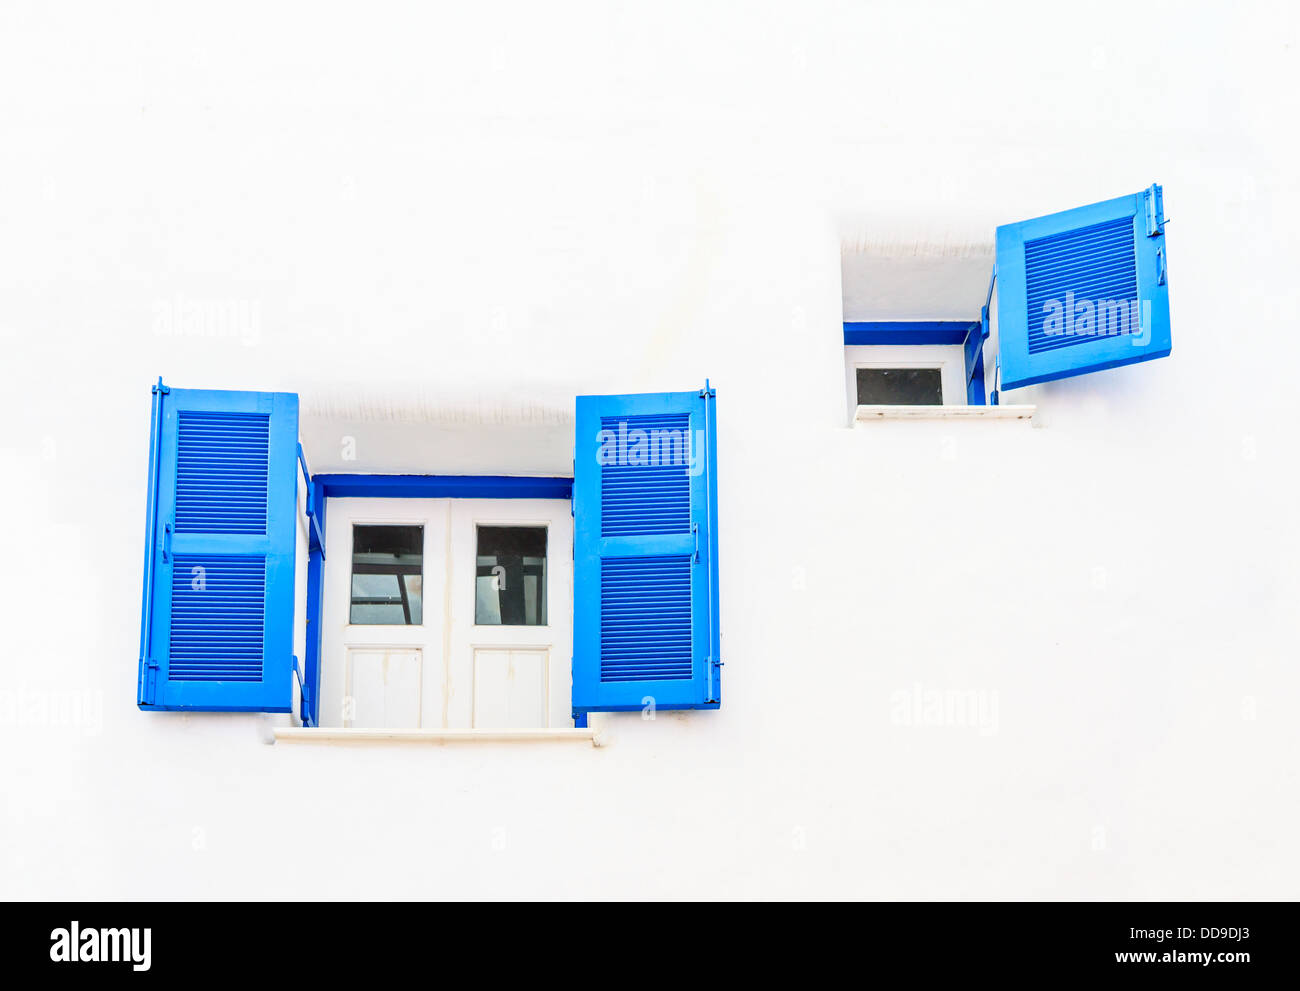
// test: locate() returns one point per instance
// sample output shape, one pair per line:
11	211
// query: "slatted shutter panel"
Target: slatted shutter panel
217	624
1083	290
645	553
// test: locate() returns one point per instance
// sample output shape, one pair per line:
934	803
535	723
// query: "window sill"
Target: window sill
303	734
869	414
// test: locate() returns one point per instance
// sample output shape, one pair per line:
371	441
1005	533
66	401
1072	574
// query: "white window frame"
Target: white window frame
950	359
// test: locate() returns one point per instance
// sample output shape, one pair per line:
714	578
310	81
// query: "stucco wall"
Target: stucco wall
499	209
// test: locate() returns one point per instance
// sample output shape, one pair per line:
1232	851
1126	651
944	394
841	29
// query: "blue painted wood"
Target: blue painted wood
906	332
146	680
223	538
310	711
973	352
1059	275
645	553
443	486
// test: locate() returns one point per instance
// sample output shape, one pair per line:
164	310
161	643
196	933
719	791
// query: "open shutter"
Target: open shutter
217	625
1082	290
645	600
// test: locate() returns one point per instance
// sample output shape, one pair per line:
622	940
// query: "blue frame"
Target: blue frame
969	334
311	670
320	488
274	693
906	331
703	690
444	486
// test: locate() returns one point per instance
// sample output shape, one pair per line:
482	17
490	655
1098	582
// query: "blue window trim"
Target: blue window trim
969	334
320	488
907	331
444	486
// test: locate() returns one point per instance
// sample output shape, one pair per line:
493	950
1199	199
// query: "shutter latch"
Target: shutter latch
695	532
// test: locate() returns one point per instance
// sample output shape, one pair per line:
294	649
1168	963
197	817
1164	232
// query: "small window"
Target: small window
510	577
900	387
904	375
387	575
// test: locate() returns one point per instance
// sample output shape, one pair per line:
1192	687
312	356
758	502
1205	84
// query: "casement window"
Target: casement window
906	374
1071	293
427	600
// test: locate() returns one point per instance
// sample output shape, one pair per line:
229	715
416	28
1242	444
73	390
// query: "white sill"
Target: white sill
869	414
304	734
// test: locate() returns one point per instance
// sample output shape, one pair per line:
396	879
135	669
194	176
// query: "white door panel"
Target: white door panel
510	688
384	688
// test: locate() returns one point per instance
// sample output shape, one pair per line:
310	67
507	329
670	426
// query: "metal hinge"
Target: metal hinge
1155	208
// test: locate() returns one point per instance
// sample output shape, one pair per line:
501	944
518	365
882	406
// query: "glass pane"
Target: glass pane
387	575
510	576
899	387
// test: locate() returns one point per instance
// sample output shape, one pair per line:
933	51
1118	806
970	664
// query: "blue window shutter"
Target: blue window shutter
645	559
217	624
1083	290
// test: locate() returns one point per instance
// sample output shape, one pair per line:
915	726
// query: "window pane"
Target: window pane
899	387
510	577
387	575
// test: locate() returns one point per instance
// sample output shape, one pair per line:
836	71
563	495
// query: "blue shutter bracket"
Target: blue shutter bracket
217	619
1083	290
645	558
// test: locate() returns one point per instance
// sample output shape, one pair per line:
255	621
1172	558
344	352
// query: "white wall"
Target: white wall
494	210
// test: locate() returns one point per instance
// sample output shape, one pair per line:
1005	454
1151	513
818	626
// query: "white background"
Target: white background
451	220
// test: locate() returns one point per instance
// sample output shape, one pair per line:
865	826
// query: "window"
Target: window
510	576
642	574
899	387
387	575
904	375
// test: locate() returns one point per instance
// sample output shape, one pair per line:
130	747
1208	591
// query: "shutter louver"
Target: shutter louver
1082	290
645	553
217	629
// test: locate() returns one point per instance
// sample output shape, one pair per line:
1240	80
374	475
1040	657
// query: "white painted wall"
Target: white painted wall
462	218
